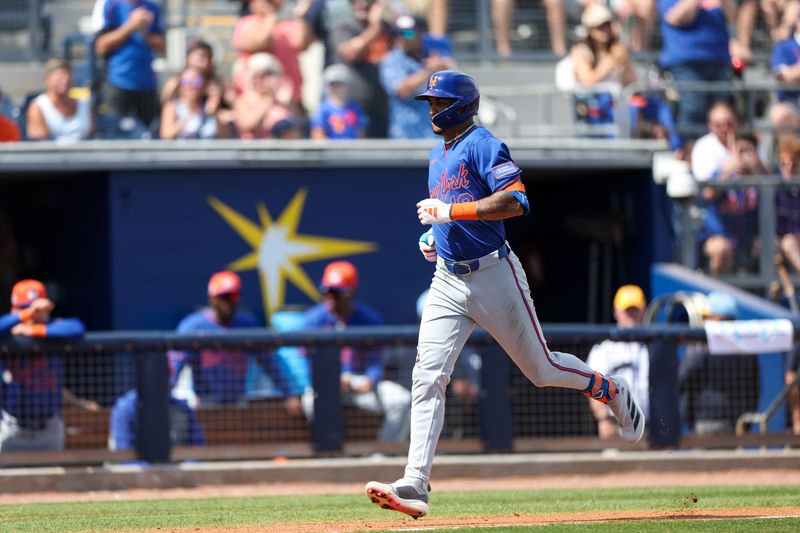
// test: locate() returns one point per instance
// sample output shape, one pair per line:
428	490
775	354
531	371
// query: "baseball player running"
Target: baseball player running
474	185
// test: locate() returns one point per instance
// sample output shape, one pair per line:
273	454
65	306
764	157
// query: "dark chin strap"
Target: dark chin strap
444	119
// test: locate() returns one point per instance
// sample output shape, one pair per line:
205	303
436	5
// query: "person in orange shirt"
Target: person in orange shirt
9	132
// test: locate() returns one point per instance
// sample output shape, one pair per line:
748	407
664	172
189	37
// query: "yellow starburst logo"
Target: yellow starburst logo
278	251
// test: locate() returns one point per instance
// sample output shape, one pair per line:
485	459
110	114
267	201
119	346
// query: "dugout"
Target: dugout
127	233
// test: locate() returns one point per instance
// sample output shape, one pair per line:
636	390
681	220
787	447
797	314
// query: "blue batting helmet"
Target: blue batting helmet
456	85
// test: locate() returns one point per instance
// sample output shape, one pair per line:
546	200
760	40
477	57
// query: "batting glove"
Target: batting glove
426	246
433	211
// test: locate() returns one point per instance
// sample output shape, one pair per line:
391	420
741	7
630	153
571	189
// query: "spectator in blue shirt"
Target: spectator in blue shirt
361	379
338	117
184	428
785	63
31	390
220	376
404	73
695	49
130	34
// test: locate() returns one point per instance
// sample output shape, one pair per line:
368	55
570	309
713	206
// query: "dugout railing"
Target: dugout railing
509	414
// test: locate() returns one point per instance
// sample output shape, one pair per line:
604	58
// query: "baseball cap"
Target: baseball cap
224	283
630	296
596	15
408	26
721	304
340	275
26	291
336	73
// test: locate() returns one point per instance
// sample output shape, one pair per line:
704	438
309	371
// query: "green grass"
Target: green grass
229	512
648	526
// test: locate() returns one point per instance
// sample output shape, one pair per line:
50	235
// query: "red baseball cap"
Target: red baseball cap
340	275
224	283
26	291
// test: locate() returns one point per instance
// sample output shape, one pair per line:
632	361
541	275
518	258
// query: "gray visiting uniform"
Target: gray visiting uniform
497	298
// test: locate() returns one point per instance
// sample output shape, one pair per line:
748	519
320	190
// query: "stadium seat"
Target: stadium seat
8	108
112	127
19	114
78	48
18	17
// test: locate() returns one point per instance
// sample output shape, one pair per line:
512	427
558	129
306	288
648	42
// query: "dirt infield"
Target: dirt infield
639	479
425	524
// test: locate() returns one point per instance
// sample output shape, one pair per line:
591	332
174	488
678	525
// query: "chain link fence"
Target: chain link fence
115	396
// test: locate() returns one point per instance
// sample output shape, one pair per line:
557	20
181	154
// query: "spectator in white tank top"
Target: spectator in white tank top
54	114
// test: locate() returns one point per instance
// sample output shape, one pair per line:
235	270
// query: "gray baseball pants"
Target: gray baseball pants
497	298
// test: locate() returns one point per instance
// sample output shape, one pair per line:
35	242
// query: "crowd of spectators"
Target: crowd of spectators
372	49
383	52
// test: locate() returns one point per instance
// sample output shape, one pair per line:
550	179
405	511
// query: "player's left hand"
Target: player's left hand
427	246
433	211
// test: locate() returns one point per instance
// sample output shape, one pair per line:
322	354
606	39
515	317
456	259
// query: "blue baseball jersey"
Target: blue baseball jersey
353	361
32	390
477	166
339	122
220	375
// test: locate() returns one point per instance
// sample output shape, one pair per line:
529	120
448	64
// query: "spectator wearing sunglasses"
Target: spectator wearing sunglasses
200	56
404	73
185	116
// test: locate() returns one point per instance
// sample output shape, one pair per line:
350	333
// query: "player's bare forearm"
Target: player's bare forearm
499	206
